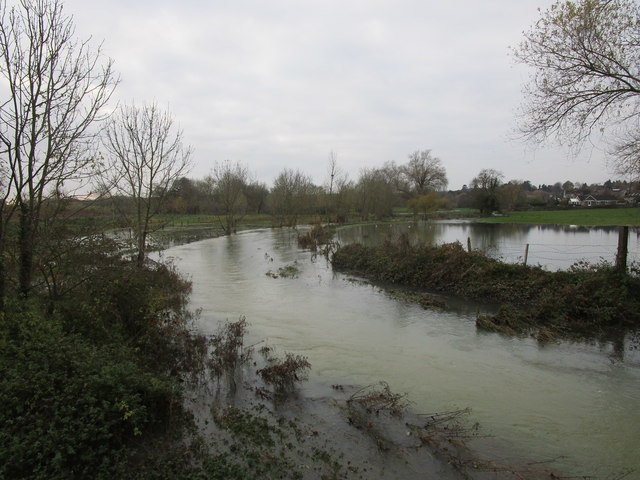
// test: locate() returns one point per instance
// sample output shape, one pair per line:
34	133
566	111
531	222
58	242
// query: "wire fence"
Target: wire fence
552	247
558	256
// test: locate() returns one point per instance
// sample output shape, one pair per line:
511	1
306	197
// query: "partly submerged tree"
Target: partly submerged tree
586	60
53	90
145	157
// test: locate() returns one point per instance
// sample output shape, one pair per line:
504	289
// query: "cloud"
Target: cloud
279	84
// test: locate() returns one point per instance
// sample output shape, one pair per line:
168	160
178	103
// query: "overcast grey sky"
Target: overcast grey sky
279	84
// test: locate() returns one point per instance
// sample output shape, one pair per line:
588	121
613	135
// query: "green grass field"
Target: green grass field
585	216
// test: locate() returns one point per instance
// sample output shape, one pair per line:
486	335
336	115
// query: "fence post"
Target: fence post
469	244
526	254
623	248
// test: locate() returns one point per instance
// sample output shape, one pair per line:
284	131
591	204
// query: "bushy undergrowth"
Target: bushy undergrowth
88	381
71	408
586	301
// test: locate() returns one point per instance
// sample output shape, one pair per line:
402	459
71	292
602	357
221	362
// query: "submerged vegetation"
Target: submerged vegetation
588	301
317	237
283	374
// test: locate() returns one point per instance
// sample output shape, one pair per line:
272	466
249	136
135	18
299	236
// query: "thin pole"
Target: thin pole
623	248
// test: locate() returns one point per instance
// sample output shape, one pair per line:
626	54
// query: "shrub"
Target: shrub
282	375
586	301
71	409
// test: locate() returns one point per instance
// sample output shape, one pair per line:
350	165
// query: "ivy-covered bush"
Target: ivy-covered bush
71	409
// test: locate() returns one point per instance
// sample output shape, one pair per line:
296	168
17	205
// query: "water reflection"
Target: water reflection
550	246
573	401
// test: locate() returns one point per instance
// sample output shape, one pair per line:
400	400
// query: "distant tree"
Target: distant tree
429	202
485	186
392	173
333	170
568	186
512	195
229	182
335	197
145	157
53	90
374	194
290	197
184	196
424	172
556	188
256	194
586	57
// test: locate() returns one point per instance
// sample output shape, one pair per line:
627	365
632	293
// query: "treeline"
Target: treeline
488	192
229	192
419	185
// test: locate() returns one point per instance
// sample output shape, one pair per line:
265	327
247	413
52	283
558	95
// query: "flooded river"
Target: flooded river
551	246
576	404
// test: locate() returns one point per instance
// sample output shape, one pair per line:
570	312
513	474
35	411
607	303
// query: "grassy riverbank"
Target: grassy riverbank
594	302
572	216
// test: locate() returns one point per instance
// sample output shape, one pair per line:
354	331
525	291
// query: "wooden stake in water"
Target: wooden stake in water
526	254
623	248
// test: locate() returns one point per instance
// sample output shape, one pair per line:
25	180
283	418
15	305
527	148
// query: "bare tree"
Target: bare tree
229	182
54	88
333	170
586	60
424	172
334	196
374	194
626	153
146	155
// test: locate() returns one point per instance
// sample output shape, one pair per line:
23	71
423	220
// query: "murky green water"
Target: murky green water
578	404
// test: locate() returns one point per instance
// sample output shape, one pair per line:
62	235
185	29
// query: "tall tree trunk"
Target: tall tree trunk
142	243
623	249
26	242
3	283
3	271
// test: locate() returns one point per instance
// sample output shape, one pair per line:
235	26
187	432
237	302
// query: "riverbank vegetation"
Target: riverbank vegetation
585	302
91	384
99	356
